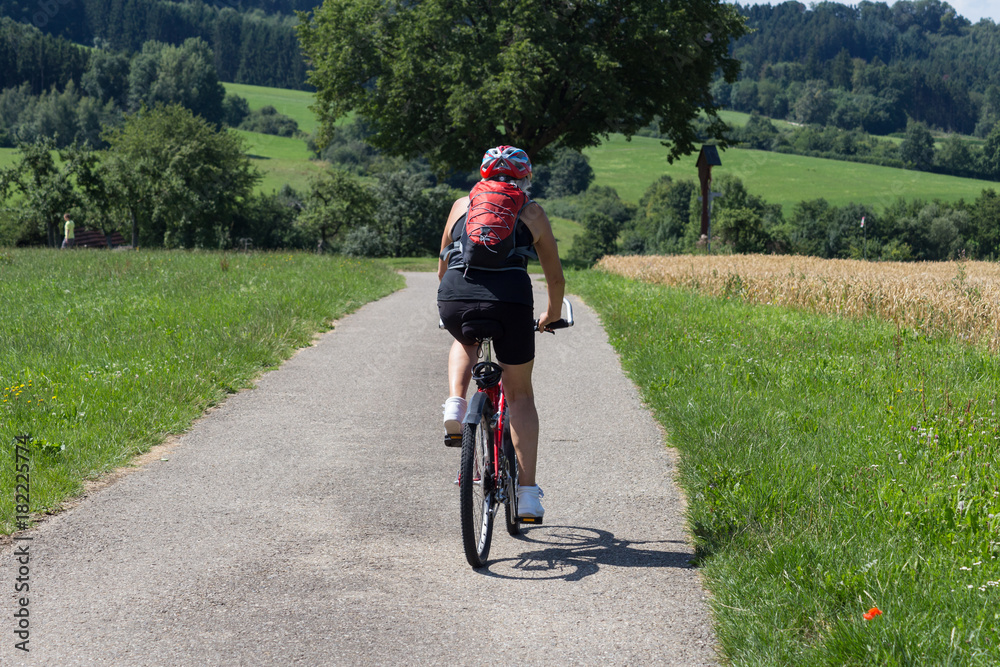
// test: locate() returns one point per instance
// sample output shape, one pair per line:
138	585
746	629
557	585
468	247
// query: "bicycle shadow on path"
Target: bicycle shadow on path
574	552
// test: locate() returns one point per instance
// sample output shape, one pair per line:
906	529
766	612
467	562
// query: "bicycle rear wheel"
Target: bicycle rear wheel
510	482
476	489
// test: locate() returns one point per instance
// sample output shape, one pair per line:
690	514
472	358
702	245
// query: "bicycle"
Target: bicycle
488	472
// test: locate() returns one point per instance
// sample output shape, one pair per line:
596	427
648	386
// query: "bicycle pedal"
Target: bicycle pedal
452	439
534	520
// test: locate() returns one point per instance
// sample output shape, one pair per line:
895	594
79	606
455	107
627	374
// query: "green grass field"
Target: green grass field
292	103
106	353
281	161
830	466
8	156
631	166
565	231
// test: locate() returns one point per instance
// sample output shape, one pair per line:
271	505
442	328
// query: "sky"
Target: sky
970	9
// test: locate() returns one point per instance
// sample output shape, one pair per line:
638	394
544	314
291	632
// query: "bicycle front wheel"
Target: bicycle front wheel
476	490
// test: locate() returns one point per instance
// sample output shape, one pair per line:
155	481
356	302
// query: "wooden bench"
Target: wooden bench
96	239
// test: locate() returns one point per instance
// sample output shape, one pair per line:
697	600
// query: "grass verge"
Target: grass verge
831	466
107	353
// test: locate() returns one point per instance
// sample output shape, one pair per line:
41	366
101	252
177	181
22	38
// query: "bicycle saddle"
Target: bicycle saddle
480	329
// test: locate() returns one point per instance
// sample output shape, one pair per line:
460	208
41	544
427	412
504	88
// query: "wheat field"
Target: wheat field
932	298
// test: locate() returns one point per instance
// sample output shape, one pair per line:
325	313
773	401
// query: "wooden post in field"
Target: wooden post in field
707	158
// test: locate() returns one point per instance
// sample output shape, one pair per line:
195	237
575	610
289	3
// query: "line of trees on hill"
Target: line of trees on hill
667	220
918	149
869	66
247	44
92	90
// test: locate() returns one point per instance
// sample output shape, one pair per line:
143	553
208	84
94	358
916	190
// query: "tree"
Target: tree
807	228
267	120
986	232
742	229
567	173
92	188
133	195
336	203
990	157
44	185
107	77
955	157
815	104
164	74
180	181
917	149
600	233
447	79
661	219
409	216
234	109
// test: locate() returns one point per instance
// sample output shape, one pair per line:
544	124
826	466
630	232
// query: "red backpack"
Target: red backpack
487	240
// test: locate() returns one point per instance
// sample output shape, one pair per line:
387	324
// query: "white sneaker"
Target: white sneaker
454	413
528	503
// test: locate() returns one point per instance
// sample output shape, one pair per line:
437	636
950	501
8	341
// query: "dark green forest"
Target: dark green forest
251	42
870	66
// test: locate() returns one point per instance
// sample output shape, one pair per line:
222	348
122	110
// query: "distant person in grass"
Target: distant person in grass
69	236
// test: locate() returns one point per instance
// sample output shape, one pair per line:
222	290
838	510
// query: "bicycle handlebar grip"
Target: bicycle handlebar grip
558	324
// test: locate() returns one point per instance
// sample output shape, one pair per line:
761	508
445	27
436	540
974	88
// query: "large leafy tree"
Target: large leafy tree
178	180
409	214
917	149
185	74
337	202
448	78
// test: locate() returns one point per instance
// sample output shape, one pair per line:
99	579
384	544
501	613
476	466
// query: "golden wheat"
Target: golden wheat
959	298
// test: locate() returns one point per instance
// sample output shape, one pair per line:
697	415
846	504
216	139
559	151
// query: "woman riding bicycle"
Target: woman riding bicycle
467	292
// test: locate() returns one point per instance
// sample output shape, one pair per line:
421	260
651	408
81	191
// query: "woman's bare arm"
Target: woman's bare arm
548	255
458	209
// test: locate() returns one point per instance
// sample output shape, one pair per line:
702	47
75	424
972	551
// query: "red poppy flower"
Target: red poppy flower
872	613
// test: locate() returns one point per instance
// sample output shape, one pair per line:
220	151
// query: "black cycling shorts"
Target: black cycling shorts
513	342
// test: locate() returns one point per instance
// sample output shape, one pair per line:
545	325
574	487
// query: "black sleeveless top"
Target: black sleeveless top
509	285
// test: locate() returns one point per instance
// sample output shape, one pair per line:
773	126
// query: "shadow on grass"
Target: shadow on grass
573	552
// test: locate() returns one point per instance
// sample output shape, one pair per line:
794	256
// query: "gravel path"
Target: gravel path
313	520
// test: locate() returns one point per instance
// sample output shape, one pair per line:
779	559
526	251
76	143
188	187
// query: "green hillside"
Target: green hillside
292	103
281	160
630	166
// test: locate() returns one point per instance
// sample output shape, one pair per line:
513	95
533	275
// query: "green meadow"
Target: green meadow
292	103
631	166
8	156
281	161
107	353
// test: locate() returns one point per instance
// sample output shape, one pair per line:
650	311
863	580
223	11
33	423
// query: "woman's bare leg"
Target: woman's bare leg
460	362
523	418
